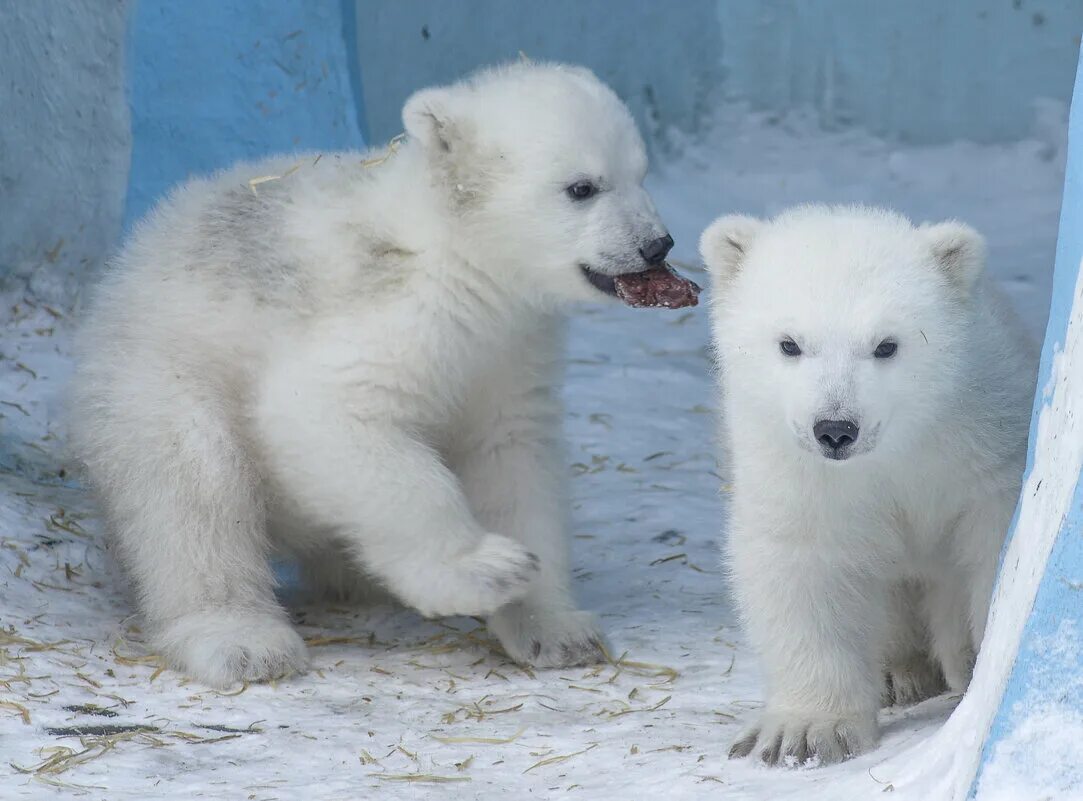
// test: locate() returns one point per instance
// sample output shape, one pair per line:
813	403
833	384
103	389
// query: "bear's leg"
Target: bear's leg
947	609
391	499
982	580
818	626
185	508
911	674
512	478
978	540
506	451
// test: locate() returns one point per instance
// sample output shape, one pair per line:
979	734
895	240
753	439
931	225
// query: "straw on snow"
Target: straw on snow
560	758
61	758
420	778
481	740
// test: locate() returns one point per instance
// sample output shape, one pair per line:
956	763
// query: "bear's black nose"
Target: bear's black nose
835	434
655	250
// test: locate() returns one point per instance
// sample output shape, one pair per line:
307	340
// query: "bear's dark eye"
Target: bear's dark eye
581	190
885	350
789	347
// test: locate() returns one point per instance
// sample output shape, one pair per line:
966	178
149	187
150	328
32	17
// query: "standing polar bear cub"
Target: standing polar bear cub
876	398
356	363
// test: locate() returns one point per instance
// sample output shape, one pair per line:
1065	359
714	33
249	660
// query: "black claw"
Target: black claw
535	649
769	755
744	746
799	753
891	693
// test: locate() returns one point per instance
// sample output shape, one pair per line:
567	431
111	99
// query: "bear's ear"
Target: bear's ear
958	250
725	243
429	118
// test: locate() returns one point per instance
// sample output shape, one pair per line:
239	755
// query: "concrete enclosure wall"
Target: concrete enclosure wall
64	139
924	70
927	71
662	58
215	81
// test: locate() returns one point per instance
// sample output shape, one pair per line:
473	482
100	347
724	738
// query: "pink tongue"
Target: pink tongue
658	286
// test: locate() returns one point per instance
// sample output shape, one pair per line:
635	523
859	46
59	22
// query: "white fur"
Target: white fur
358	363
883	563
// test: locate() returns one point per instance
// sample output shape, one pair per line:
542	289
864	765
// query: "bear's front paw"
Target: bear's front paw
221	647
497	571
807	739
548	638
911	681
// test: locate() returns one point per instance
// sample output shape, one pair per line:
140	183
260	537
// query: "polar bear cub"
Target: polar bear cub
875	404
354	359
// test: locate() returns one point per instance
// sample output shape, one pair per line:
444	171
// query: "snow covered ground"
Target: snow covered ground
406	708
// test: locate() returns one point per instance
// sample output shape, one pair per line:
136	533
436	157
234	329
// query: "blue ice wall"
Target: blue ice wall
1047	679
214	81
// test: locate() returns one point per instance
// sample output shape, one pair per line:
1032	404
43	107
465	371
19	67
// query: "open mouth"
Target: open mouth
655	287
600	281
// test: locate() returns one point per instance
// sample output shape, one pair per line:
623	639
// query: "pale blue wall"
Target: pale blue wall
104	104
215	81
662	58
63	139
922	70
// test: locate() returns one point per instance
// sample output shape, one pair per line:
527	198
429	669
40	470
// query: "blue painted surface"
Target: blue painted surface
1059	599
64	141
215	81
924	70
350	28
661	58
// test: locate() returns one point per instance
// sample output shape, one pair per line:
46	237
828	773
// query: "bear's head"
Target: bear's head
540	169
841	330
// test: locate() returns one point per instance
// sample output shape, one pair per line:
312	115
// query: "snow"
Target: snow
406	707
1048	733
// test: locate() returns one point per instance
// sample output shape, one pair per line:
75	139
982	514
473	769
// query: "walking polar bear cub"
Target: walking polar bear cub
356	363
875	409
